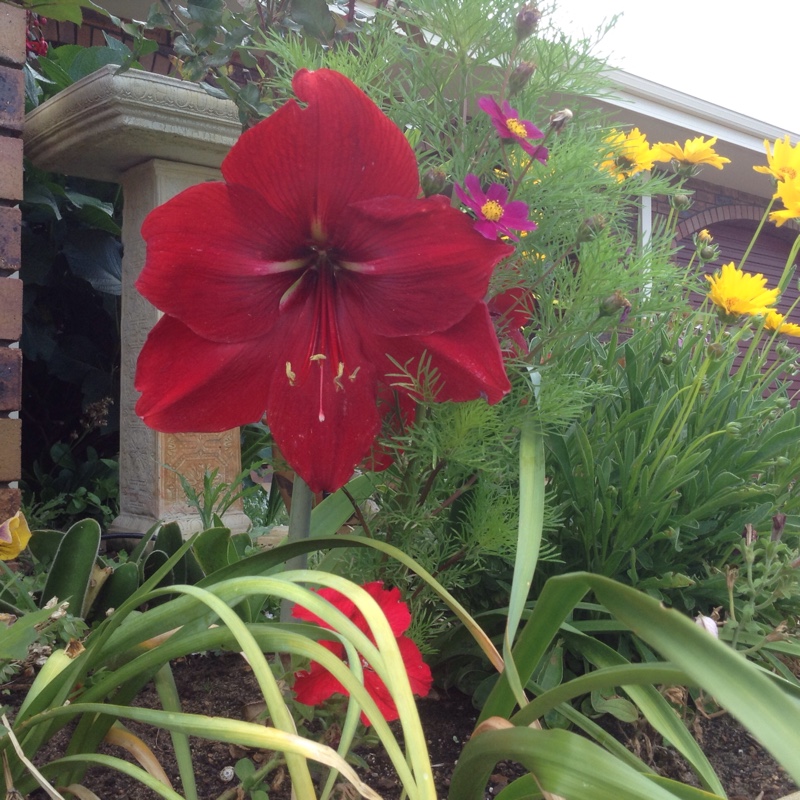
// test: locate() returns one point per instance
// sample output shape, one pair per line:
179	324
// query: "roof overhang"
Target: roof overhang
667	115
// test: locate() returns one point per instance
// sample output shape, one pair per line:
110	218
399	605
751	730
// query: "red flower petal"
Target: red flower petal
220	258
192	384
322	410
401	257
466	359
337	599
392	605
312	162
419	673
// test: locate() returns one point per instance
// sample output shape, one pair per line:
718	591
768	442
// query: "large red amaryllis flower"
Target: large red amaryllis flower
298	285
315	685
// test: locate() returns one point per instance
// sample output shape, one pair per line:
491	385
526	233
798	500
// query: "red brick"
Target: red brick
10	168
10	450
10	378
12	98
10	224
12	34
10	309
10	500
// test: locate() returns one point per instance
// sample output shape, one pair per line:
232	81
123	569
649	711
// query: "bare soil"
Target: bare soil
224	685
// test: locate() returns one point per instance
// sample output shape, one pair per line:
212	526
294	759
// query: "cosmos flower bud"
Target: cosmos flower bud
558	119
520	76
590	226
708	624
613	303
527	21
433	181
667	359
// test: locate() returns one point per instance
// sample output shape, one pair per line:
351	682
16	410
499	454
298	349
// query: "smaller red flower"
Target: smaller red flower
315	685
496	216
511	311
508	124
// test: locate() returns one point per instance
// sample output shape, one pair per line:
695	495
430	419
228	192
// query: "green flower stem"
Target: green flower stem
757	234
299	529
787	270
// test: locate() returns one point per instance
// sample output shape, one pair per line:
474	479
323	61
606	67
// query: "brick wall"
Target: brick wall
90	34
710	204
12	112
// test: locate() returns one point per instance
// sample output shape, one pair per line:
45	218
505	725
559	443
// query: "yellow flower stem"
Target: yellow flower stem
757	233
789	268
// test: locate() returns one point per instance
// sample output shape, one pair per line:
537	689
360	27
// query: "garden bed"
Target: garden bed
224	685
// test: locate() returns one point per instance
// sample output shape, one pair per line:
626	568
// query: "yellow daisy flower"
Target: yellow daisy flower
774	322
783	162
735	292
789	193
694	153
630	153
14	537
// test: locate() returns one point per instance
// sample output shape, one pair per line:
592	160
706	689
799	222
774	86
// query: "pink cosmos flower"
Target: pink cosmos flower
509	126
315	685
296	286
496	216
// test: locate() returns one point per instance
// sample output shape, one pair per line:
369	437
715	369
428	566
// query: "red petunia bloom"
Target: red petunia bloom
299	284
315	685
496	216
508	125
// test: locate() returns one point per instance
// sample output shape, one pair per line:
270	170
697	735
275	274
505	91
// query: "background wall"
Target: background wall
12	112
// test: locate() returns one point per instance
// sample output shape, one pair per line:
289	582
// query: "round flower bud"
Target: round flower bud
785	351
558	119
733	429
433	181
589	227
527	21
708	252
668	359
520	76
681	201
782	461
613	303
716	350
708	624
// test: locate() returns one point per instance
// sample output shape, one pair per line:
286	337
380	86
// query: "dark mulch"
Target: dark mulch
223	685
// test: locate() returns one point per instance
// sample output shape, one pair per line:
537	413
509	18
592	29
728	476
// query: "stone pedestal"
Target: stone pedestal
155	136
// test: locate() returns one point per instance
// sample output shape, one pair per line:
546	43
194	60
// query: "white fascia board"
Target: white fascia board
683	110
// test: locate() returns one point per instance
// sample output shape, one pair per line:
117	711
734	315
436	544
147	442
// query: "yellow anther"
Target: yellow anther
516	127
338	378
289	374
318	357
352	376
492	210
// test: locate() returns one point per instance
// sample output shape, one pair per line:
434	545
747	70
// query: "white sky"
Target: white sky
737	54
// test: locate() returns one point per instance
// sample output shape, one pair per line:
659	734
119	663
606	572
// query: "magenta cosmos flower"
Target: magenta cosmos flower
315	685
496	216
299	284
509	126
